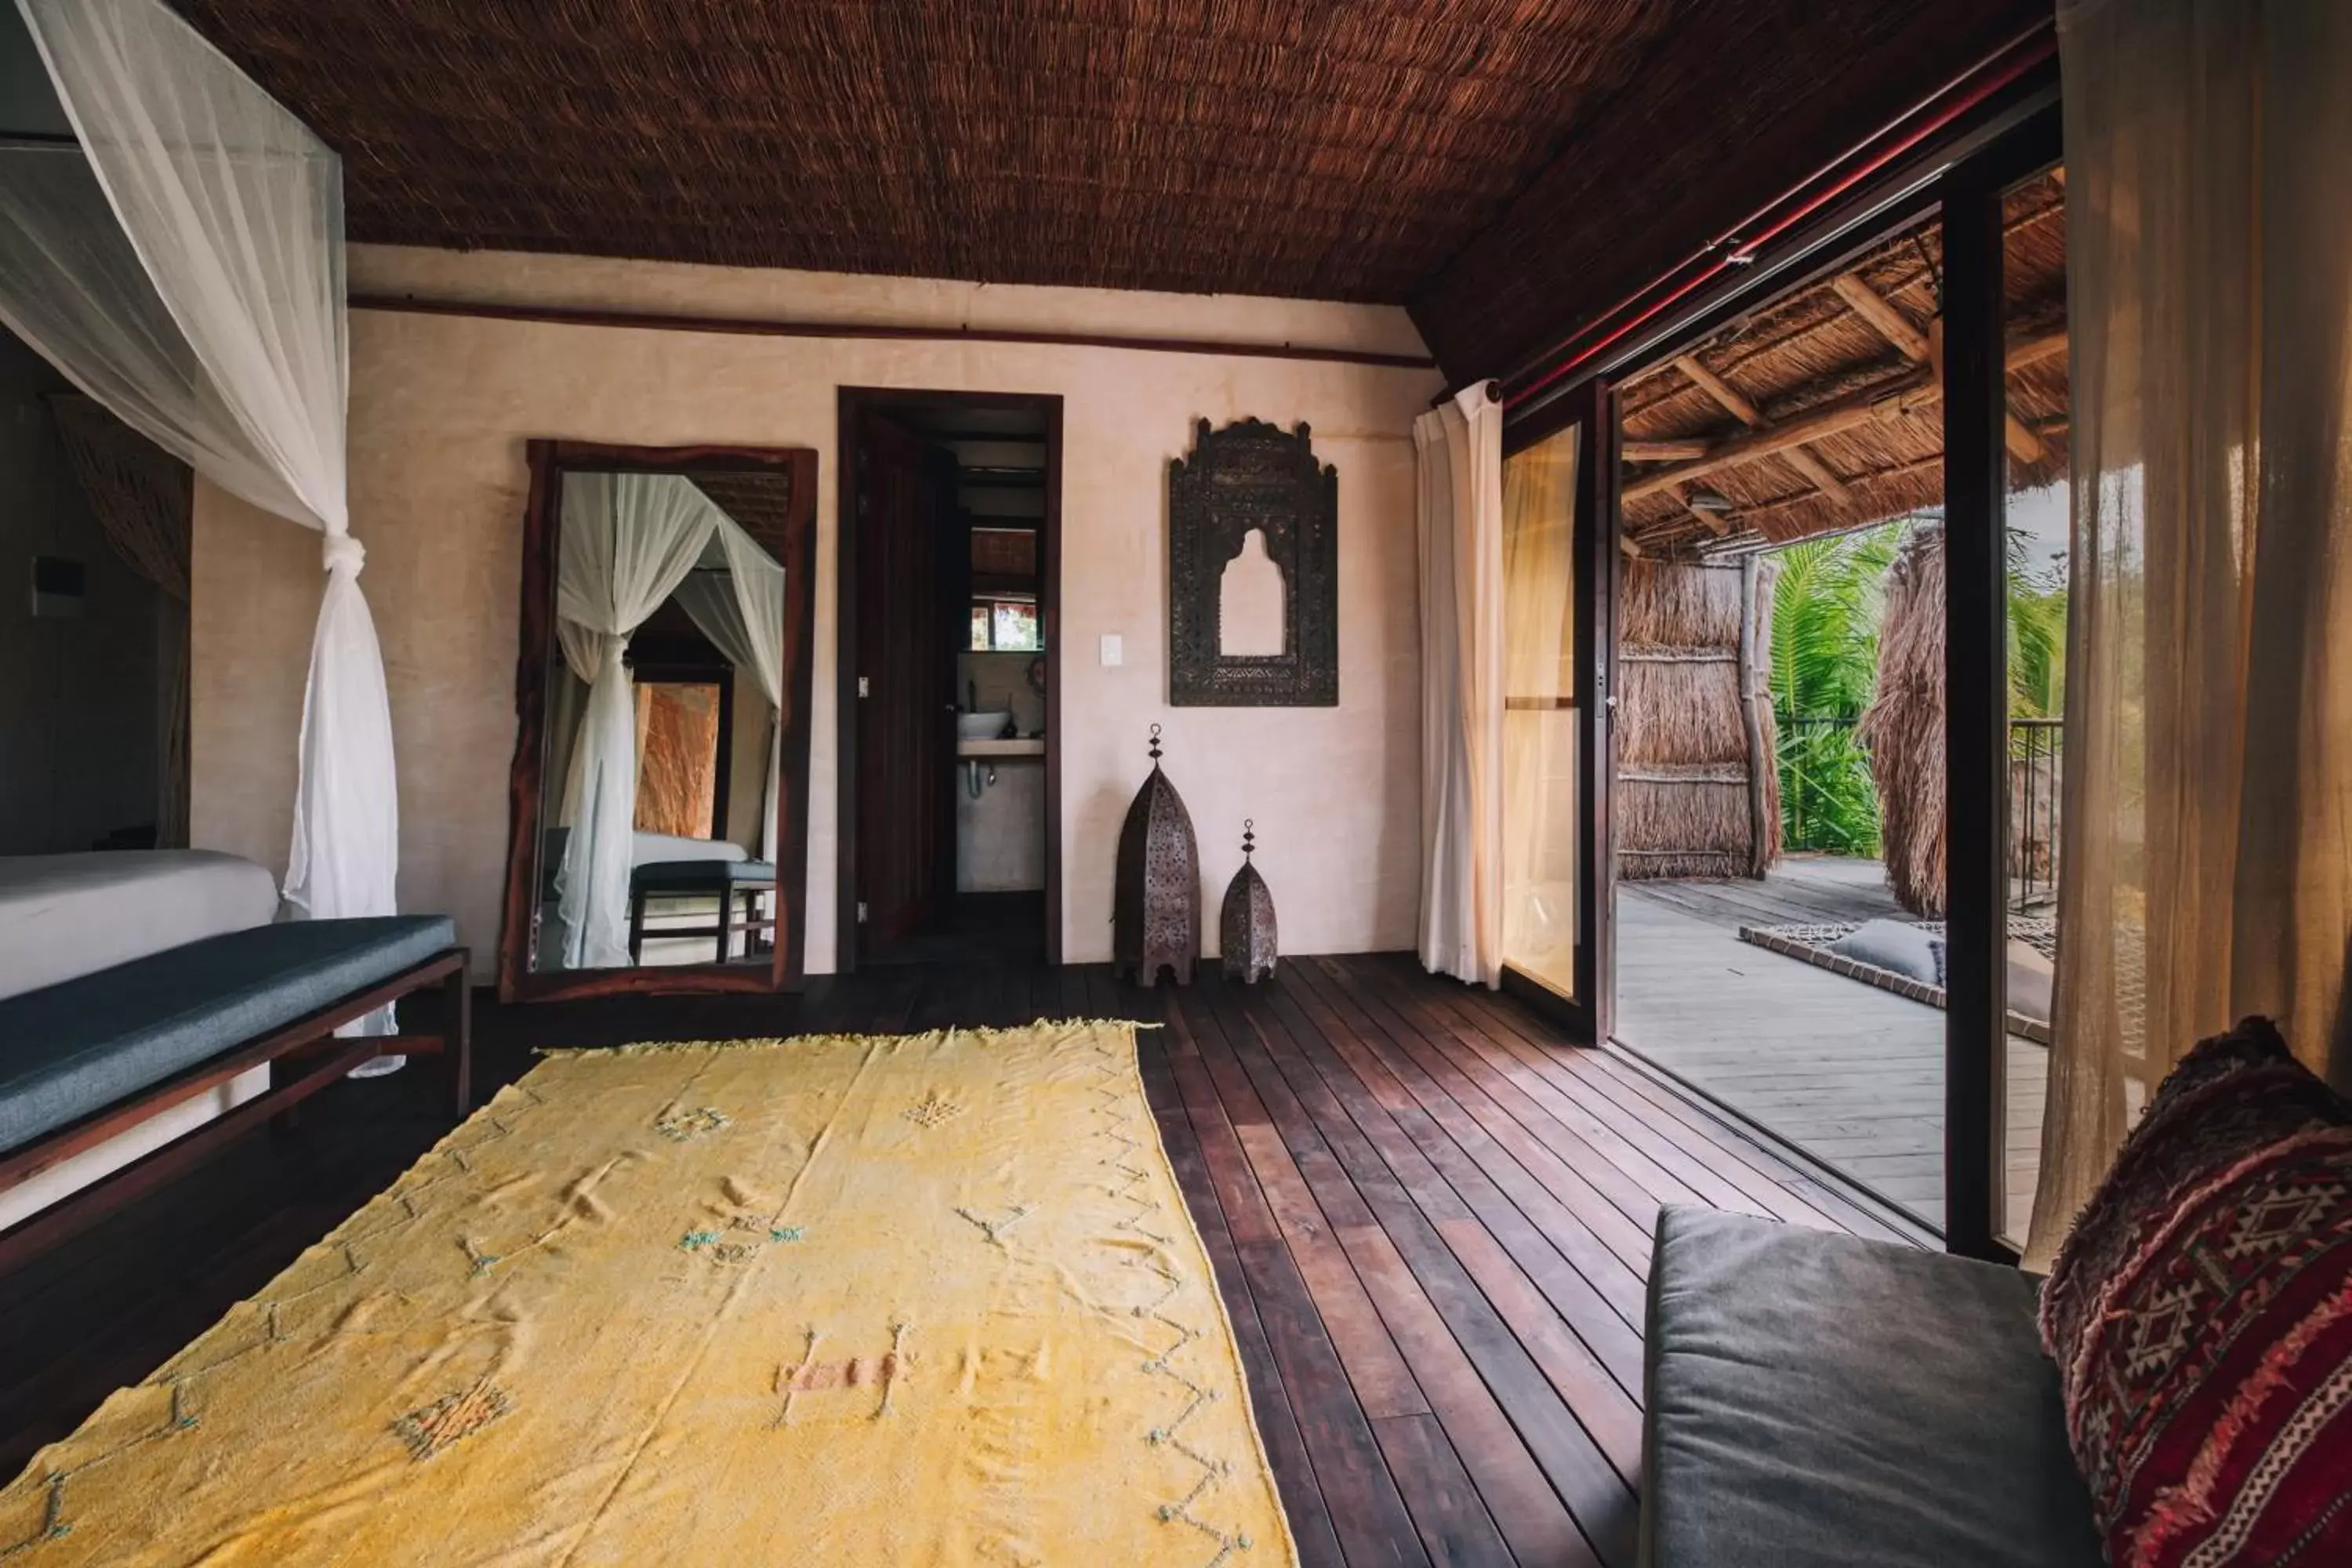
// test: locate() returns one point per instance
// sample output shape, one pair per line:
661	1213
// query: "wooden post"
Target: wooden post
1751	721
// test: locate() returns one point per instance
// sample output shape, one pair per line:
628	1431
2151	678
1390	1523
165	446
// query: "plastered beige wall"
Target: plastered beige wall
440	408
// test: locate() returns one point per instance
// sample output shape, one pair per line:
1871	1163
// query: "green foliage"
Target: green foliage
2037	637
1825	613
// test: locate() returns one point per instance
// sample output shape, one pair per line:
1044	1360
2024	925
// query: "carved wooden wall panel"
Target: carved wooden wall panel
1251	475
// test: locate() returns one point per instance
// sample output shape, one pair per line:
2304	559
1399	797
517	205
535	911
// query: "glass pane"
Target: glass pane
980	628
1015	626
1778	797
2039	509
1540	798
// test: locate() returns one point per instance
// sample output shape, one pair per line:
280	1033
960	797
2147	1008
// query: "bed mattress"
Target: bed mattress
65	916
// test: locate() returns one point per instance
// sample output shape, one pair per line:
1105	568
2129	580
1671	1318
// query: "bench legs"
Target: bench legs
457	1039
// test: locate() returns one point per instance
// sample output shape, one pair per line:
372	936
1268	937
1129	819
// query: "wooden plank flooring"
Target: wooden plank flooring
1428	1214
1851	1073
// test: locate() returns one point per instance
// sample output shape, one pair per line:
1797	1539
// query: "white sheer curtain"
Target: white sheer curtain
1460	448
212	319
2208	814
628	540
742	611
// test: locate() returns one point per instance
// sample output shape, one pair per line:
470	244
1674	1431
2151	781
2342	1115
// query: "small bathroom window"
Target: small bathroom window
1006	626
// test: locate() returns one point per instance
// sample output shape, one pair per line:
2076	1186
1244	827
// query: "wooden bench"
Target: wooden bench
176	1025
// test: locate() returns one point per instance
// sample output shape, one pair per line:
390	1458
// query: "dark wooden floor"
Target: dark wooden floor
1429	1214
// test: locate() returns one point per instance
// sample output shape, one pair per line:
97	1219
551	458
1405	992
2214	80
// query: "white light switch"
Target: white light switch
1114	649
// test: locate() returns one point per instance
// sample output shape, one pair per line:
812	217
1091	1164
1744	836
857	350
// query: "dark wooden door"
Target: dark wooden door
905	491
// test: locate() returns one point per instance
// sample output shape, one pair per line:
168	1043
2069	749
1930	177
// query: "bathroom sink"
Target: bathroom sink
981	726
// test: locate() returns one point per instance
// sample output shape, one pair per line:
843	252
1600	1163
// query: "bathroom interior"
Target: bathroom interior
985	490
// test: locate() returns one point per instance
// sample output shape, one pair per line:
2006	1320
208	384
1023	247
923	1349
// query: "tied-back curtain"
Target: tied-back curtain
201	297
1539	801
628	540
2207	836
1460	450
743	616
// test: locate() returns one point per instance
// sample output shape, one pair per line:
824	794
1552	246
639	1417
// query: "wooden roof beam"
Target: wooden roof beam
1912	345
1914	389
1747	413
1661	451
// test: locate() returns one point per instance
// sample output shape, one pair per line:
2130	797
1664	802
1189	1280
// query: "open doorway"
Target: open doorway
1783	625
949	797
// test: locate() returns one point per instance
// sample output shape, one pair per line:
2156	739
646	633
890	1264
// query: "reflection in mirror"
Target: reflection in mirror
659	828
1249	603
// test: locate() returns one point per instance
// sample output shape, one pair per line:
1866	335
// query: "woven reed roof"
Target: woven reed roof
1849	355
1347	149
1328	151
761	504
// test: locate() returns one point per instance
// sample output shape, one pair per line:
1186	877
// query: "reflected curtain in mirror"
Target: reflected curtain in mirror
628	540
1539	801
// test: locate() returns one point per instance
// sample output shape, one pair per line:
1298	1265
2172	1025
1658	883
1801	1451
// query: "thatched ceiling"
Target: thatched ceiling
1336	150
1850	354
761	504
1348	149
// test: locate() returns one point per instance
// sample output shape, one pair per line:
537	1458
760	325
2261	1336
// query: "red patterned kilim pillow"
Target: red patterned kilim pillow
2200	1316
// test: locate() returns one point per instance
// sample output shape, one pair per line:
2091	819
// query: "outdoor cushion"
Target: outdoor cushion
1892	945
1820	1401
70	1050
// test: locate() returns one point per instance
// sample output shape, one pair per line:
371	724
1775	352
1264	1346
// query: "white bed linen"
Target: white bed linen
64	916
652	849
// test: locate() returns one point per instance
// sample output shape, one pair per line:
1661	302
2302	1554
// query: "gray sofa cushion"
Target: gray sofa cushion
69	1050
1817	1400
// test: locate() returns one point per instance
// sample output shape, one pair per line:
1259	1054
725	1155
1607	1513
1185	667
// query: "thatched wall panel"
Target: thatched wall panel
1678	714
1904	727
1679	606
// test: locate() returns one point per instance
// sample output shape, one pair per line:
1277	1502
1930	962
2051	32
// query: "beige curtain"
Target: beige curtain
1540	798
2207	836
1459	445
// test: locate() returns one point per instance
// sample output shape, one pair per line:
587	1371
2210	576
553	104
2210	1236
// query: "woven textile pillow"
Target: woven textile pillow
2200	1317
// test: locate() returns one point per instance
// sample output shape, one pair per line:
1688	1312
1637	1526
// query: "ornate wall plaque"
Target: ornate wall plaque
1245	936
1156	900
1248	475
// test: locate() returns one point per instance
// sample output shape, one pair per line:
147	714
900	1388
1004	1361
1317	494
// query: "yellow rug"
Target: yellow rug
926	1299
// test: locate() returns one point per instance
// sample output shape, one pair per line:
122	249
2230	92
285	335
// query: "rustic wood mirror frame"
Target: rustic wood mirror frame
1251	475
549	461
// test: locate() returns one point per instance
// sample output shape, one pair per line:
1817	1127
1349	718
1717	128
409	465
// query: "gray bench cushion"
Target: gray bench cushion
69	1050
1818	1400
701	875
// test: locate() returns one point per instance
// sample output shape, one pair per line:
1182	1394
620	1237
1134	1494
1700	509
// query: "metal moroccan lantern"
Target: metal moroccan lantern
1155	905
1245	925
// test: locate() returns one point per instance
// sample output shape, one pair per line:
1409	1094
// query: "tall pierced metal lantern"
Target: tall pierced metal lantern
1155	905
1245	925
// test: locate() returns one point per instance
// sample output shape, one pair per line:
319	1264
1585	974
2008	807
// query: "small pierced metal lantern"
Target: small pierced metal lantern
1156	904
1245	925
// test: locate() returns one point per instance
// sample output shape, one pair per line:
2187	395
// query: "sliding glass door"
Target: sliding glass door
1540	797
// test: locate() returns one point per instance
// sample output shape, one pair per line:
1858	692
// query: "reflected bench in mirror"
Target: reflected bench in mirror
660	779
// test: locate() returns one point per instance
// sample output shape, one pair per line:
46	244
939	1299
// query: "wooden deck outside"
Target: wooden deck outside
1430	1218
1851	1073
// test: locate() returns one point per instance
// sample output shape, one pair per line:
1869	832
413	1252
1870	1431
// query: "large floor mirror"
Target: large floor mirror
660	779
